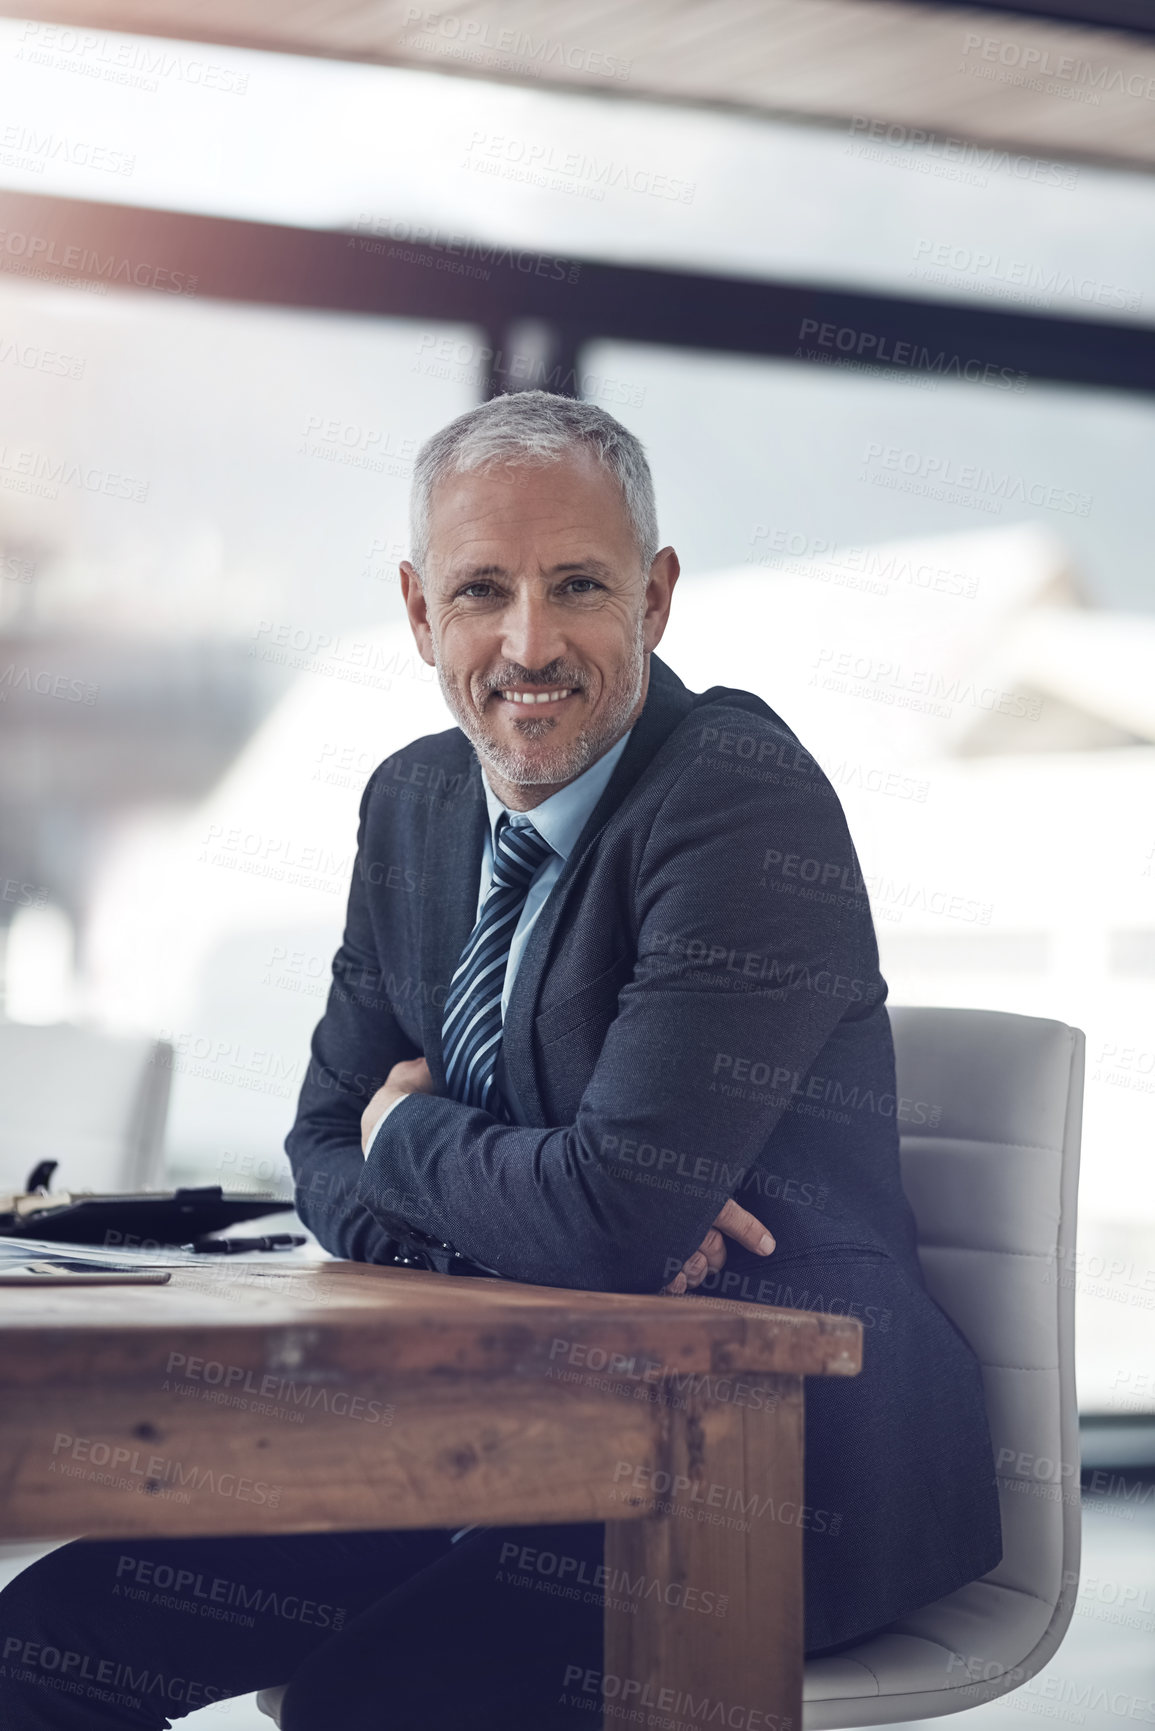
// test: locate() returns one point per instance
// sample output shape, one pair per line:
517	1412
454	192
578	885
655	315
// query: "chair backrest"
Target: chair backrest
95	1102
993	1188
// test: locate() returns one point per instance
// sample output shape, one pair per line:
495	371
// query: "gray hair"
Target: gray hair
533	427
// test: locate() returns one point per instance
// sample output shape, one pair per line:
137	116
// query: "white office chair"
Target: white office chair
94	1102
993	1188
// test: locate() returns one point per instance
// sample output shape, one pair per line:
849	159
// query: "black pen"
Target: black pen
232	1246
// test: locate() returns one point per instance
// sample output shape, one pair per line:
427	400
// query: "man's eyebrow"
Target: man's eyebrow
471	573
475	573
596	567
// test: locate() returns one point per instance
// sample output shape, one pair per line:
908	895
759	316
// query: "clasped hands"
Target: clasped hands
411	1076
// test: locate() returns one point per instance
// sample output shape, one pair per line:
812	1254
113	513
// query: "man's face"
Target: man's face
534	586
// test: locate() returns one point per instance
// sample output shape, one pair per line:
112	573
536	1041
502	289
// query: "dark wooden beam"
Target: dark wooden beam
401	270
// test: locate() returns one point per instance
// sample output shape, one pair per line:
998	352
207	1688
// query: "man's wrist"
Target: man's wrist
391	1107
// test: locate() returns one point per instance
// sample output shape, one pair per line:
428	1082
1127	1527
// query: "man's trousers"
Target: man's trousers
373	1631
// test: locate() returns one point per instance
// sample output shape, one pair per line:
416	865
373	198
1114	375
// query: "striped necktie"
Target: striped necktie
472	1025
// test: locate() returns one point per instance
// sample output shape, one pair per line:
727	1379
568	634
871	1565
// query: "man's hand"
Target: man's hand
410	1076
710	1256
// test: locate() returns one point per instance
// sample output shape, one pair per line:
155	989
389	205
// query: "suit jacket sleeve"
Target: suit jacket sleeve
353	1048
744	896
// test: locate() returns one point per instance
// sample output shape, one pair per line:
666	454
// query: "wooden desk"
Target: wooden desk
263	1396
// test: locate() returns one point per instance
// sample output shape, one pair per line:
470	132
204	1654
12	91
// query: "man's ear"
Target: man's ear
664	573
416	607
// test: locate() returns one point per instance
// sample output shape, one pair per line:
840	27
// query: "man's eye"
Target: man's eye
470	590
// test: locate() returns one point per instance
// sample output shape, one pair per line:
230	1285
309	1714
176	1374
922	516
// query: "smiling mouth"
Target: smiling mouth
522	698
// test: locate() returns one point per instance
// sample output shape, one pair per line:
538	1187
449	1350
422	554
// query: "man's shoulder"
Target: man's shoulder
436	766
740	803
733	732
732	770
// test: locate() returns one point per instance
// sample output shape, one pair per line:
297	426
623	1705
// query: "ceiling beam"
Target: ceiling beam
497	287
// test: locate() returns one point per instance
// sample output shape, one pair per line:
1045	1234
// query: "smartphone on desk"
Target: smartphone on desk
26	1265
70	1274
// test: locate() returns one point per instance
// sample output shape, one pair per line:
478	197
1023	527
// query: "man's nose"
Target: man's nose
531	632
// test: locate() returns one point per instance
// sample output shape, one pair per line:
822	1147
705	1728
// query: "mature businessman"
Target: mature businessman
607	1013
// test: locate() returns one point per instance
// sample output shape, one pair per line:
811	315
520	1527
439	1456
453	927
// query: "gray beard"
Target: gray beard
566	762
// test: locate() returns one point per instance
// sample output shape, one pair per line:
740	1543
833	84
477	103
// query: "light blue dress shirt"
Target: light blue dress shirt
559	819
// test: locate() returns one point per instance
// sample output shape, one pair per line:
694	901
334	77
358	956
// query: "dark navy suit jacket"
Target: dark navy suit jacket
698	1014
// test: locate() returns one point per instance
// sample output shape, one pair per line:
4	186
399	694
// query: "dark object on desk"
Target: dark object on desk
154	1219
234	1246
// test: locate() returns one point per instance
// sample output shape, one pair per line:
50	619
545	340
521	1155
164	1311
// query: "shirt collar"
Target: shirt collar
560	819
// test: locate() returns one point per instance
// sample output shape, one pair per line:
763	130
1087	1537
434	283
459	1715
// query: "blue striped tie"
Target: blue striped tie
472	1024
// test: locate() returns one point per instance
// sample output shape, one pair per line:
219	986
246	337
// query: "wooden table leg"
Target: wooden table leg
704	1601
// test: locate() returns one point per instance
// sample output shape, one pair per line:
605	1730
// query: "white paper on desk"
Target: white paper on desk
16	1252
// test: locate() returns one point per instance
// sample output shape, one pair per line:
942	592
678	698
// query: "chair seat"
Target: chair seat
269	1702
925	1651
933	1647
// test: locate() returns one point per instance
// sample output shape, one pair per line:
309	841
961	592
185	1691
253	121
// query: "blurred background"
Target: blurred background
875	284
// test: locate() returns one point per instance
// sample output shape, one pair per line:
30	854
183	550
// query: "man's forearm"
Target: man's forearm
524	1201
